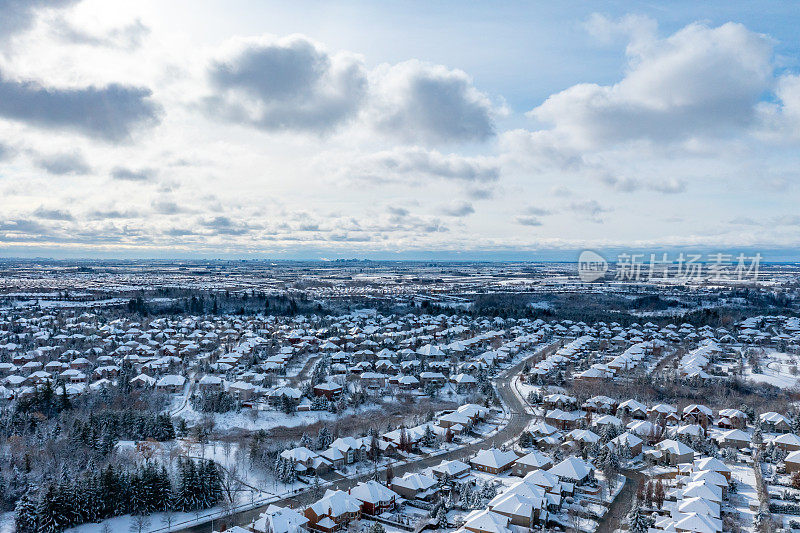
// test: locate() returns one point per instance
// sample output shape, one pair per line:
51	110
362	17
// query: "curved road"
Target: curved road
520	418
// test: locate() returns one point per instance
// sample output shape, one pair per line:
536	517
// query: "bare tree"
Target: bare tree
139	523
168	518
231	484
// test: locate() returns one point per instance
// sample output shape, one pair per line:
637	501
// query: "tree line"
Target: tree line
149	488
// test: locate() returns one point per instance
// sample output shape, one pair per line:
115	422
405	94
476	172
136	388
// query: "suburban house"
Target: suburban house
330	390
528	463
453	469
374	497
493	460
280	520
414	486
333	512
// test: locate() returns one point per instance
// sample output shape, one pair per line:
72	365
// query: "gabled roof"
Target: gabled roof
487	521
536	459
572	468
494	458
414	481
280	520
336	503
372	492
675	447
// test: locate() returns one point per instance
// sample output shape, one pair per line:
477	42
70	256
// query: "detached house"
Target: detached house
493	460
333	512
374	497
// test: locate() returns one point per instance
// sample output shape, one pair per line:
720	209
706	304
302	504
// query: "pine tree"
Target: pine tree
323	438
194	486
638	522
138	503
181	497
45	512
25	514
441	517
429	437
165	490
109	492
213	484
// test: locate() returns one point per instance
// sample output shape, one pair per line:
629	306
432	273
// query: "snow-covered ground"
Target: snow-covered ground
253	419
777	368
746	493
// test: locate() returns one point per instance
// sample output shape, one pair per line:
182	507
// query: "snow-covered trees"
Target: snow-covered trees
324	438
283	470
638	521
25	513
98	495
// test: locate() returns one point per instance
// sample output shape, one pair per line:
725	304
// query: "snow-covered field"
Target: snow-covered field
252	419
778	369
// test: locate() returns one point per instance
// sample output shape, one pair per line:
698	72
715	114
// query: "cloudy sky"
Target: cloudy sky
418	129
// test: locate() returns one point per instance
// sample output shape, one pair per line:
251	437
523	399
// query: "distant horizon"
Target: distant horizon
771	256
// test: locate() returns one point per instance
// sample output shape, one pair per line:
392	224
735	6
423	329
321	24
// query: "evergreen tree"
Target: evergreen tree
324	438
25	514
46	510
638	521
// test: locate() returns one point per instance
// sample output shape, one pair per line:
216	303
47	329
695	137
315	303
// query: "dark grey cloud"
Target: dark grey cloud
349	237
561	190
480	194
53	214
537	211
62	164
111	113
667	186
398	211
223	225
787	220
527	220
5	151
23	225
286	85
419	102
19	15
405	163
531	216
180	232
112	213
128	174
459	209
589	209
168	207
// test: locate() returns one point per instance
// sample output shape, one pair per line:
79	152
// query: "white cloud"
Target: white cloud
420	102
700	81
19	15
458	209
416	163
291	84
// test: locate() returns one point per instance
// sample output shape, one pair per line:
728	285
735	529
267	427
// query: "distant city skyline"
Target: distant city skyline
415	130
